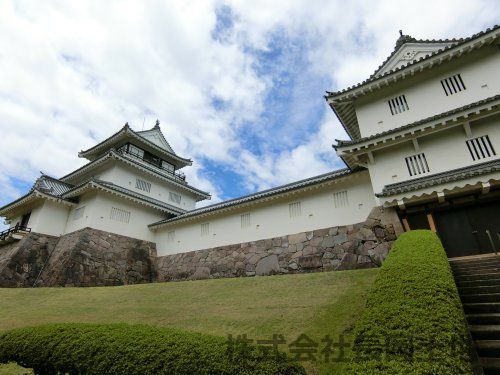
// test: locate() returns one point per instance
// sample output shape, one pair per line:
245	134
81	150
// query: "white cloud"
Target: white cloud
73	72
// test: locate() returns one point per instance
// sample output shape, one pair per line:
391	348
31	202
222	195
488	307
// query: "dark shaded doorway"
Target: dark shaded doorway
470	230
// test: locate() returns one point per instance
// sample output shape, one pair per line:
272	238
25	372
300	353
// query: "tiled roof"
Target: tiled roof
44	186
440	178
126	130
408	39
52	185
261	194
341	143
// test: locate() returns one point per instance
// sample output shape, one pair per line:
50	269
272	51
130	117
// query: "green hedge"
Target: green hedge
414	321
134	349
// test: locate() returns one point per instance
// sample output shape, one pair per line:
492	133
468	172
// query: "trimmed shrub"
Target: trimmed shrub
134	349
414	322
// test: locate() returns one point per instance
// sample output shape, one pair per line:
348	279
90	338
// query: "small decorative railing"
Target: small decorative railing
15	229
176	174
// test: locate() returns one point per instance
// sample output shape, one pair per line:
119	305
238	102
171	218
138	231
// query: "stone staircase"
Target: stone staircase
478	282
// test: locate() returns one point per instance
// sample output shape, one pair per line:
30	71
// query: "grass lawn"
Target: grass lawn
315	304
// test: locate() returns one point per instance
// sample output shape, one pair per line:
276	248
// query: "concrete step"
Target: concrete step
487	348
473	283
476	270
483	318
475	263
475	260
485	332
480	298
490	365
487	307
468	290
478	276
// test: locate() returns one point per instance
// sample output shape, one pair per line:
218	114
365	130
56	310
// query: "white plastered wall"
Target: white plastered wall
444	151
272	218
425	95
97	214
125	176
46	217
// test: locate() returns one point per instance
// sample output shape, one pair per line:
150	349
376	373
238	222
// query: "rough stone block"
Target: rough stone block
297	238
267	266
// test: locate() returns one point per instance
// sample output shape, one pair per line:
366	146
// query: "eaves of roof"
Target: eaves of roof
380	136
440	178
34	194
342	102
456	43
309	182
127	131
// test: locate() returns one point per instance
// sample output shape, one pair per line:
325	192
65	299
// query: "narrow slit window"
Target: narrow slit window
340	199
453	85
295	210
174	197
78	213
398	104
417	164
480	148
171	236
205	229
142	185
120	215
245	220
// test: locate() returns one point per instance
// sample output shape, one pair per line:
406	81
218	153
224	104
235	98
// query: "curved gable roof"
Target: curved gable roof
395	68
160	146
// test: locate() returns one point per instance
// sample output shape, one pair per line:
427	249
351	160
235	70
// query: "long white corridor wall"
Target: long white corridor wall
347	201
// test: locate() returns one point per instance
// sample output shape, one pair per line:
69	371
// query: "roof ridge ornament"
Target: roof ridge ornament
126	126
157	124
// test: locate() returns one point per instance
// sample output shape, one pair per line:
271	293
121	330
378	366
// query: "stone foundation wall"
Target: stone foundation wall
21	261
87	257
361	245
90	257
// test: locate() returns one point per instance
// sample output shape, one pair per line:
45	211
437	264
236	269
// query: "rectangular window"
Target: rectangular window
136	151
295	209
205	229
174	197
245	220
453	85
417	164
340	199
398	105
78	213
119	215
142	185
480	148
167	166
171	236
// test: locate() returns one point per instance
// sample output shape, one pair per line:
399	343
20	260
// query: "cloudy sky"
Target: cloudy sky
237	86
